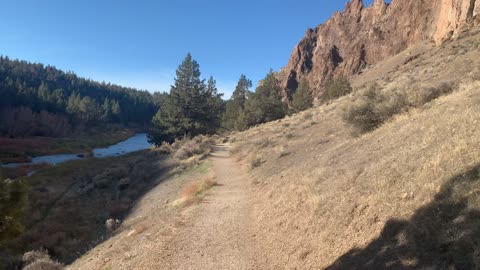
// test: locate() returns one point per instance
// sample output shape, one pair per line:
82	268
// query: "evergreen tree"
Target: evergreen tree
215	106
241	90
235	106
266	105
89	109
336	88
188	109
73	103
302	98
106	110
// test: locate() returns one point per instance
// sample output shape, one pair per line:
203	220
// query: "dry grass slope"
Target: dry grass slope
402	196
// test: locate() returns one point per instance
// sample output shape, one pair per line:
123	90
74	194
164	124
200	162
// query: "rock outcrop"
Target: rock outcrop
360	36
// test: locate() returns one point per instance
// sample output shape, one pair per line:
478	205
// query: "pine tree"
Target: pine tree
267	102
185	110
116	110
215	106
106	110
241	90
89	109
235	106
302	98
72	103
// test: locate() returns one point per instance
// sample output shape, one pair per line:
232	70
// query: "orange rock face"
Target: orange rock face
361	36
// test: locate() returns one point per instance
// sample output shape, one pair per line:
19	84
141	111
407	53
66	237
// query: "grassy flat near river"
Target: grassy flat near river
20	149
67	205
74	206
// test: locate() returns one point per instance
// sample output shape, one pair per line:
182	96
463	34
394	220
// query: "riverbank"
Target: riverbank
16	150
66	206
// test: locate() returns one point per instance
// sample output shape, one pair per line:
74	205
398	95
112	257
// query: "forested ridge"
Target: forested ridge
39	100
43	100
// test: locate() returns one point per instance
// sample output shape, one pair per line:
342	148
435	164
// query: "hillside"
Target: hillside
38	100
362	153
403	196
316	193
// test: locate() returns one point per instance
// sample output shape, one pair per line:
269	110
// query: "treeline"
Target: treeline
83	102
193	107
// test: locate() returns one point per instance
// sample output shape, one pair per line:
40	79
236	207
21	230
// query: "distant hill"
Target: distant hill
41	100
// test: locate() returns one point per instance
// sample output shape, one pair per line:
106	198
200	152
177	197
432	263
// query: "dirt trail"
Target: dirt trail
217	233
222	236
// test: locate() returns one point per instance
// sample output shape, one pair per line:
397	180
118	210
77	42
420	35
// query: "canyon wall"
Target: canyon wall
360	36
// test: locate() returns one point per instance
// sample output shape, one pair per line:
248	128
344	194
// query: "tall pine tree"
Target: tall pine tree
233	118
189	108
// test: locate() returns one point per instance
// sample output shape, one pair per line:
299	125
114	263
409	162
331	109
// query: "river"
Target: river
135	143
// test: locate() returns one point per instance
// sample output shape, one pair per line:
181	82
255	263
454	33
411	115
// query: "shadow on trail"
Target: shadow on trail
444	234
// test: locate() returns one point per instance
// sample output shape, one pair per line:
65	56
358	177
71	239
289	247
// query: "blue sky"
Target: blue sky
140	43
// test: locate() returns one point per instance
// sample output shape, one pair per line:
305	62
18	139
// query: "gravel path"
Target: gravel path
221	237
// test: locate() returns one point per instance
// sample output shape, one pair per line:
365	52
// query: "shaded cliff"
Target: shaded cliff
360	36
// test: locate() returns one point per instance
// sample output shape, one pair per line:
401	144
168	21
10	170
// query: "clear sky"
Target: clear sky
140	43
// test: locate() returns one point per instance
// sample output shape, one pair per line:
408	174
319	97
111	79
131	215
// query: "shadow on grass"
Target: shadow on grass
444	234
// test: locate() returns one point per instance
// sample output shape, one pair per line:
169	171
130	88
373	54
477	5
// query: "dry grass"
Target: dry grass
198	146
405	193
194	191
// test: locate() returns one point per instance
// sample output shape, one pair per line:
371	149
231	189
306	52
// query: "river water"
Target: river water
135	143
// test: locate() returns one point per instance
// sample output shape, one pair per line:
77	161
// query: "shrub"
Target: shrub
284	153
263	143
44	264
35	255
307	115
336	88
302	98
40	260
428	94
193	191
290	135
200	145
255	163
374	108
164	149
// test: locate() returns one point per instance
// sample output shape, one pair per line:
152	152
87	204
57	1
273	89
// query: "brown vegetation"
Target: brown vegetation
403	196
194	191
39	260
88	192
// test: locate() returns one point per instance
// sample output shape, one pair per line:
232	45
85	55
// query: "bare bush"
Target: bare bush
374	108
430	93
264	142
198	146
40	260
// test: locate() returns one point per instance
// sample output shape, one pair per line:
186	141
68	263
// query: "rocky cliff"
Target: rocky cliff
360	36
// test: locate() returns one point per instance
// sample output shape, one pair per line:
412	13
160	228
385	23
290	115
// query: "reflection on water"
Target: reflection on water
132	144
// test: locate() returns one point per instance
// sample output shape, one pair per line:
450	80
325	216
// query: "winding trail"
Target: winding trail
217	233
221	237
